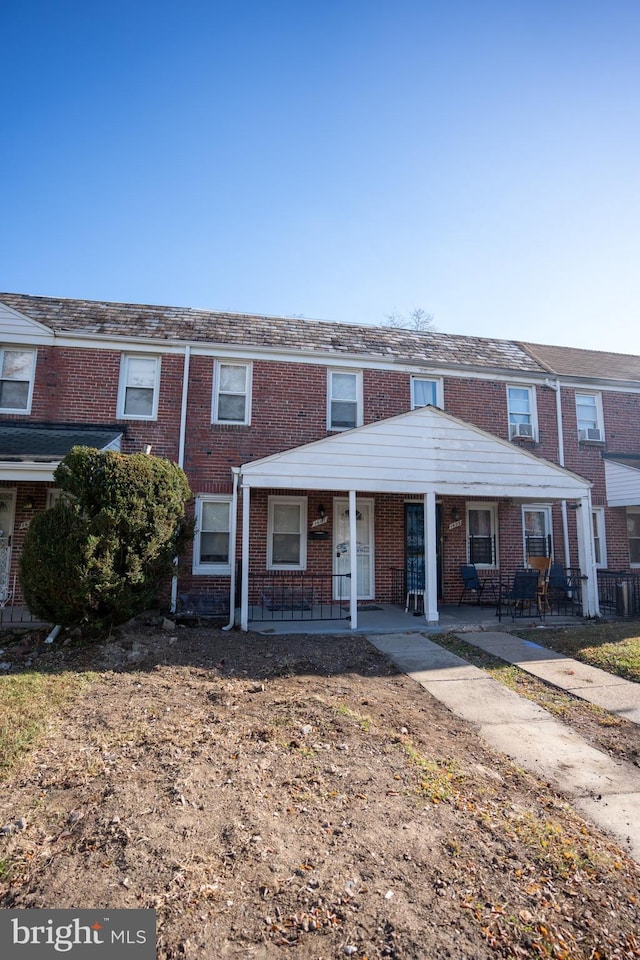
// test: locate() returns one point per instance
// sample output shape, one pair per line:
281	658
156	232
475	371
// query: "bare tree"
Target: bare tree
416	319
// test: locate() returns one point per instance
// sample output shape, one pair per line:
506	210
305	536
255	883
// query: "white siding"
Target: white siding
426	450
623	484
14	328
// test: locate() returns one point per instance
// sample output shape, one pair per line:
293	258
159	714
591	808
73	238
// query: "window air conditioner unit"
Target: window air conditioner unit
522	430
591	433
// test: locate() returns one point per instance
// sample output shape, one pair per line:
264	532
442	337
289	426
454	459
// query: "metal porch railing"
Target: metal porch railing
299	596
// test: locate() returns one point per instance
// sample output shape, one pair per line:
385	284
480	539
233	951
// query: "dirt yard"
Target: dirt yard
296	797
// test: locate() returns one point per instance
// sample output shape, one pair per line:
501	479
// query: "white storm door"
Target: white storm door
364	548
7	513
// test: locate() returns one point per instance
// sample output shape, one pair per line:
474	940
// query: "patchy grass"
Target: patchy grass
28	702
614	647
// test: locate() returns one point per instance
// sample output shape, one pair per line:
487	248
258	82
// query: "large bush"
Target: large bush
101	555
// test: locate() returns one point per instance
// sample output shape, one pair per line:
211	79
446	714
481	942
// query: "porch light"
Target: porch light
321	510
29	503
455	514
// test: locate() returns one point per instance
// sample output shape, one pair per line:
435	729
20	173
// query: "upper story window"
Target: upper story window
17	368
286	533
589	416
232	393
425	391
139	383
344	396
211	540
521	404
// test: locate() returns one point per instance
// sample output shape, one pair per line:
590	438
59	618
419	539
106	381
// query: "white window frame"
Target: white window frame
200	568
634	564
599	536
533	411
358	402
492	507
302	533
544	508
20	349
437	389
599	418
124	384
248	369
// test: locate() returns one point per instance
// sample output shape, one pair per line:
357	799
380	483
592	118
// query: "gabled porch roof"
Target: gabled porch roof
423	451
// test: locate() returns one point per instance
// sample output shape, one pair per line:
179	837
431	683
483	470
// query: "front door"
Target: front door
414	546
364	549
7	513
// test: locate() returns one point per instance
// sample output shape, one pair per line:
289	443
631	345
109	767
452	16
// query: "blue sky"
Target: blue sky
479	159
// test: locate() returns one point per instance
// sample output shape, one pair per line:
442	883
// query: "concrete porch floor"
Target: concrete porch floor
389	618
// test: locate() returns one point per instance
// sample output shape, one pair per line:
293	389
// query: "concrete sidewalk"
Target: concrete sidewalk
605	791
616	695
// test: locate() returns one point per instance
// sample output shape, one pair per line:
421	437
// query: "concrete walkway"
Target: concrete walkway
616	695
604	790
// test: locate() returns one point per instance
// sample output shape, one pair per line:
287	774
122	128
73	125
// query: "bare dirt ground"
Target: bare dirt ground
296	797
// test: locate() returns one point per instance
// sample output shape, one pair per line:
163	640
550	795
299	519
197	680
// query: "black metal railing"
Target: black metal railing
619	593
482	550
538	546
299	596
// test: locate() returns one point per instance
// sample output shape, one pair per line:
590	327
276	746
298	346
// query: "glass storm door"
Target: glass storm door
7	511
364	548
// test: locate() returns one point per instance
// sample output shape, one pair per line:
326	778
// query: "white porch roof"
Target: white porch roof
622	477
423	451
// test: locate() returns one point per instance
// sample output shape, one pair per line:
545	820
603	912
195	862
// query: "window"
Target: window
231	393
599	542
139	376
482	544
425	392
211	541
287	541
536	523
633	533
521	407
16	379
589	416
344	400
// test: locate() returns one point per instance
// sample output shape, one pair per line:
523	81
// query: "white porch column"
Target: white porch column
244	590
353	558
430	560
586	558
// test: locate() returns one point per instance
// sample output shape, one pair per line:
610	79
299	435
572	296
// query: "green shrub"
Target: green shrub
101	555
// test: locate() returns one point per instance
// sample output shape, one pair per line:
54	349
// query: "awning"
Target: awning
622	477
33	451
423	451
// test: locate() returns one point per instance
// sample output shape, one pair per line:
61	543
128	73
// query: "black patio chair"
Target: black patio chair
474	584
521	595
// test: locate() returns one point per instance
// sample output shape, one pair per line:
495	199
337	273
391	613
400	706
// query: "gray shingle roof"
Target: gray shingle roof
590	364
187	324
26	441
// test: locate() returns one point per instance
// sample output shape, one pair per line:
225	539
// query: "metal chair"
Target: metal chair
522	594
474	584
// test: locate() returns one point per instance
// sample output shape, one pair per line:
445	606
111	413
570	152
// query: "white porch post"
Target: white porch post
244	590
353	564
430	560
586	558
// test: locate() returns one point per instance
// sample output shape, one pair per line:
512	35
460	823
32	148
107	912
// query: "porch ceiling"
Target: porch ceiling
423	451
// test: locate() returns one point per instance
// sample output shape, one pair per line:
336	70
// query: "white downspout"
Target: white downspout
181	445
563	503
233	527
353	561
